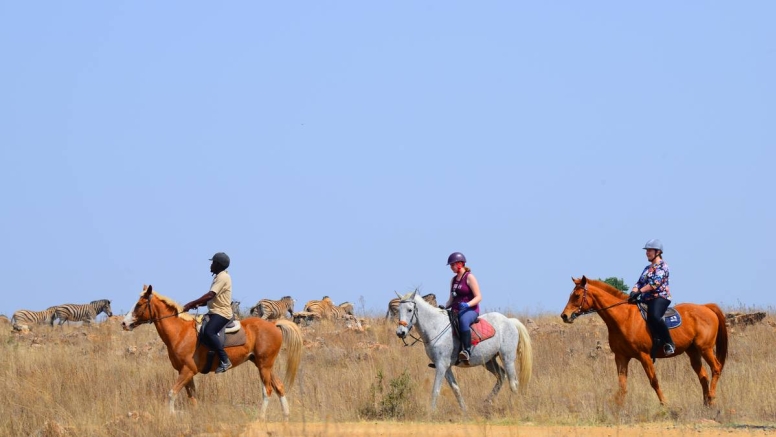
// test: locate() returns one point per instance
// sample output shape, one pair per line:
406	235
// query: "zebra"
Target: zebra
22	319
326	309
393	305
82	313
269	309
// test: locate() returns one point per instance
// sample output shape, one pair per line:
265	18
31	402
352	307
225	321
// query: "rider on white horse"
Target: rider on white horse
464	300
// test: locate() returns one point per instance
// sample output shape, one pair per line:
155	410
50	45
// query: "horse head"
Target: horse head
579	303
407	314
141	313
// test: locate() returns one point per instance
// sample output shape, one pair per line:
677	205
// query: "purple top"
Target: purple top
462	293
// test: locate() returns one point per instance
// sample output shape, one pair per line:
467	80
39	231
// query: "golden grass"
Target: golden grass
102	381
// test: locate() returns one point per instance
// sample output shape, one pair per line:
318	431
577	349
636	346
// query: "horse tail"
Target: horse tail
722	334
292	340
524	354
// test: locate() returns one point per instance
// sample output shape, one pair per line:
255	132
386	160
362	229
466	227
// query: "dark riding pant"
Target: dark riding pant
210	337
656	309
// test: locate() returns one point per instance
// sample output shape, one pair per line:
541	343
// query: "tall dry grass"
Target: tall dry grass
102	381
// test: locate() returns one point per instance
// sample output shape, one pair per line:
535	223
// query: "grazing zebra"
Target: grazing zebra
22	319
393	305
82	313
269	309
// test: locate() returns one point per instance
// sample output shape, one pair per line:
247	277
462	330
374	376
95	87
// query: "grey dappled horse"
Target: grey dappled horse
511	341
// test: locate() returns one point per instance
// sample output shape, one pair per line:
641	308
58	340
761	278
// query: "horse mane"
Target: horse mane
171	303
608	288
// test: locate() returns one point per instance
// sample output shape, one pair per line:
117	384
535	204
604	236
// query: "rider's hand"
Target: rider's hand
442	307
189	306
463	306
634	297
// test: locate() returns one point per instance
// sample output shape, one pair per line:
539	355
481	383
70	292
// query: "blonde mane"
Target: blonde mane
171	303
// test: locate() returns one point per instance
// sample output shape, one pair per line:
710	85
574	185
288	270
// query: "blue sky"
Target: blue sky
346	148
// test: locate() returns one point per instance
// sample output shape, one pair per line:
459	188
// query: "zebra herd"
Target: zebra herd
267	309
24	319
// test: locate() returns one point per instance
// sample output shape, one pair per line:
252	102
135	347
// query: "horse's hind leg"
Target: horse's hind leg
280	389
497	371
716	371
266	392
191	391
697	366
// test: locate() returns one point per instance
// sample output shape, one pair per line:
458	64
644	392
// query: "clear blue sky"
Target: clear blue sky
346	148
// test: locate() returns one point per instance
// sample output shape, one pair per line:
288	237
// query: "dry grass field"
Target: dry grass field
102	381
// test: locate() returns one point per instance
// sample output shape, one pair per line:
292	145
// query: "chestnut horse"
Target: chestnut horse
178	332
703	328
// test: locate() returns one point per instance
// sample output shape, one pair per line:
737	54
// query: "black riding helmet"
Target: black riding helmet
221	259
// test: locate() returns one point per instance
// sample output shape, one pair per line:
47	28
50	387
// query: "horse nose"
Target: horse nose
564	317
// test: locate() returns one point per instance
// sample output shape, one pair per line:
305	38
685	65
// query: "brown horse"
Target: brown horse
262	345
702	328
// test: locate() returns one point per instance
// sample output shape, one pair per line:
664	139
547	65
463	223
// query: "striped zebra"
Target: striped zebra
269	309
325	308
393	305
71	312
347	307
23	319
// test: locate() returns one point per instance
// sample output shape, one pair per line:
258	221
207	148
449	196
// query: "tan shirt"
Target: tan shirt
221	304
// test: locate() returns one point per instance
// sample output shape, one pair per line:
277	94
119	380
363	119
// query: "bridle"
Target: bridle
581	312
151	319
411	323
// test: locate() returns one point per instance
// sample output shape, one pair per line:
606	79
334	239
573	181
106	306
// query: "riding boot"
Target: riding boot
225	363
466	346
668	346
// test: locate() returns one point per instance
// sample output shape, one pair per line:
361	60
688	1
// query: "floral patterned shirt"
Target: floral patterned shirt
655	275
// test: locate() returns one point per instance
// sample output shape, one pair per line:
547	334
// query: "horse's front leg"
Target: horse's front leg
185	376
438	377
649	369
454	385
622	374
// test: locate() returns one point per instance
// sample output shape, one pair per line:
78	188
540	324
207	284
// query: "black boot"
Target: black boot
656	343
466	346
668	346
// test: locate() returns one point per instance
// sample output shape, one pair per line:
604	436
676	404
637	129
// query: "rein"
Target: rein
411	324
581	312
151	319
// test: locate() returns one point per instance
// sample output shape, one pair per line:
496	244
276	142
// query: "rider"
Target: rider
219	304
652	289
464	300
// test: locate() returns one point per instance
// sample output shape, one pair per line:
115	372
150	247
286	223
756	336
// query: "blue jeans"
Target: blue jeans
656	309
466	318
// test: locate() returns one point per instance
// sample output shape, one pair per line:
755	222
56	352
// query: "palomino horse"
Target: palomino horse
262	345
703	328
510	341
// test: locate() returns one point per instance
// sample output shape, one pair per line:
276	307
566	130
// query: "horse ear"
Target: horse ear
583	282
148	290
575	280
397	294
414	293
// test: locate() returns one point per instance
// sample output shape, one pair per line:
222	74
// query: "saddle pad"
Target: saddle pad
481	331
233	338
671	317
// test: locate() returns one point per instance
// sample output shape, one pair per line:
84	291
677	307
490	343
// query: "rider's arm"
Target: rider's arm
471	281
199	302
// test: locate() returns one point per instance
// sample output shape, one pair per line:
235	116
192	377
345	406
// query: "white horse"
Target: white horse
433	324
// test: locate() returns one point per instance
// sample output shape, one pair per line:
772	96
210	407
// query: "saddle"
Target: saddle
230	335
671	317
481	330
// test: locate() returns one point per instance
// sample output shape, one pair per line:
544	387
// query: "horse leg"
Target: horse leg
497	371
649	369
716	371
281	391
697	366
266	392
453	385
185	376
622	374
191	391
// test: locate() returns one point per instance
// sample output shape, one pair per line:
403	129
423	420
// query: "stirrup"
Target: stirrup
669	349
463	355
